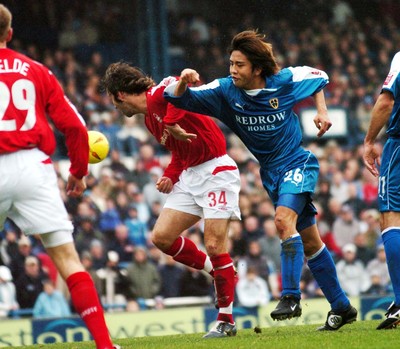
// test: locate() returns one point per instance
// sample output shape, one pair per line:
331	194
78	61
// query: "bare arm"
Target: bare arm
321	120
379	117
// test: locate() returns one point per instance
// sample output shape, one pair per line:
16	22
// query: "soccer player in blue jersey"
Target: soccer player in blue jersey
256	102
387	111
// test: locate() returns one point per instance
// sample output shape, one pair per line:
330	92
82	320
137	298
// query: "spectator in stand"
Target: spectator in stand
113	281
251	228
239	245
9	246
120	244
8	296
351	272
17	264
109	219
194	283
252	290
150	191
355	200
86	232
143	279
170	273
98	253
264	267
364	252
326	232
346	226
270	243
378	266
50	303
137	230
29	284
373	231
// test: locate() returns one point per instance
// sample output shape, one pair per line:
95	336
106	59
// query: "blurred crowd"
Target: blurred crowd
114	219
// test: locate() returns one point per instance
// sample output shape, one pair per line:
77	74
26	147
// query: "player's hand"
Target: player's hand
180	134
75	186
164	185
371	158
189	76
323	123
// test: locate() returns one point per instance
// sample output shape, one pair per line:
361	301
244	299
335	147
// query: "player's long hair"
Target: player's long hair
258	52
5	22
122	77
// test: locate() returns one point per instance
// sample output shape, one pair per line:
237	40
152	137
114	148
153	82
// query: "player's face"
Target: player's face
242	72
124	107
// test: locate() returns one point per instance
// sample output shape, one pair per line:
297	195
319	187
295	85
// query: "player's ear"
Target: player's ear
121	96
9	35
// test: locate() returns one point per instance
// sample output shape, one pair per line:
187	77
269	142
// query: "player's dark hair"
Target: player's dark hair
258	52
122	77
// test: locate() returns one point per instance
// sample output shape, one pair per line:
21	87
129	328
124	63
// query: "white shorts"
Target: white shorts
209	190
29	194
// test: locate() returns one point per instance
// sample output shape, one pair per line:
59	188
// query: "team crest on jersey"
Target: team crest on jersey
274	103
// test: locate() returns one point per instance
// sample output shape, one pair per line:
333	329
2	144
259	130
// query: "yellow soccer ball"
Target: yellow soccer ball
98	147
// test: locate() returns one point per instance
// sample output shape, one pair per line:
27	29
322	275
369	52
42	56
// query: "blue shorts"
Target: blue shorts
292	184
389	179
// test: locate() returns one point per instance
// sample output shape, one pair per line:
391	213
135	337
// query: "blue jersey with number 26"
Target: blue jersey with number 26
263	119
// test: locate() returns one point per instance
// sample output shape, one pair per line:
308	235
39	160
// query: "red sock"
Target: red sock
87	304
185	251
224	275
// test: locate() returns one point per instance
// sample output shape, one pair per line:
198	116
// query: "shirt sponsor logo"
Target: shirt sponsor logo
157	118
261	122
164	137
274	103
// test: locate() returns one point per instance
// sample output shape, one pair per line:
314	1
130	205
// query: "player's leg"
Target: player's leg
389	206
38	208
292	257
166	236
80	284
215	240
323	269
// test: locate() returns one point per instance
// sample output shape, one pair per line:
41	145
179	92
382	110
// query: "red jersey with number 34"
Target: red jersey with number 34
29	93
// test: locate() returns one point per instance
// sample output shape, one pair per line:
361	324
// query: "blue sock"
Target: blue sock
391	241
292	258
324	271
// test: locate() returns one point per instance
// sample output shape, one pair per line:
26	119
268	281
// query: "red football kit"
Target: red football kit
29	93
210	141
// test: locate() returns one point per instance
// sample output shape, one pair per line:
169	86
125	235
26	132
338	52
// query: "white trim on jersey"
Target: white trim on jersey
306	72
393	73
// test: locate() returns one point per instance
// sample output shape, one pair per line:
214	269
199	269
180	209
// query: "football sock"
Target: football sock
87	304
185	251
324	271
292	258
391	242
225	286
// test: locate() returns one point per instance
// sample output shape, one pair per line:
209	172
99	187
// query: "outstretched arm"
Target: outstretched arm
321	120
380	116
188	76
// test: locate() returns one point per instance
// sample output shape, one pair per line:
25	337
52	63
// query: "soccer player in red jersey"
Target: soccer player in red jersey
28	183
203	182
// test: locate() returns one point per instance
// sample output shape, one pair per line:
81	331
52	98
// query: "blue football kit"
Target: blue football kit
265	122
389	185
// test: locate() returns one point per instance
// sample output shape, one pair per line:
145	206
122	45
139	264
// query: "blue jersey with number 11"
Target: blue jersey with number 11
263	119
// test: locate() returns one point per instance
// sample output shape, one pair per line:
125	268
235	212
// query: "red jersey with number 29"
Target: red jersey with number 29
29	93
